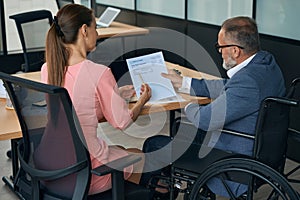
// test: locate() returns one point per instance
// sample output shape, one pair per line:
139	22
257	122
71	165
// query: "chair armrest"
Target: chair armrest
115	168
118	164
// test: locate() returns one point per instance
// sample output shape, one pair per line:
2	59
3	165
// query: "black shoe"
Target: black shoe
161	196
206	194
165	196
242	197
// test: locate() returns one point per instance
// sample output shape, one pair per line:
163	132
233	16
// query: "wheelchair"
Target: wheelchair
207	173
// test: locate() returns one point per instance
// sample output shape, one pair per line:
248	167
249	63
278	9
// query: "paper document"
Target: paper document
2	90
148	69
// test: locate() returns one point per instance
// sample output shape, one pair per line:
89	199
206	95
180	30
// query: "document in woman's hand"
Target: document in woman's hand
148	69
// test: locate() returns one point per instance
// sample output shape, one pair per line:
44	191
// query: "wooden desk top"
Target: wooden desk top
10	128
33	76
120	29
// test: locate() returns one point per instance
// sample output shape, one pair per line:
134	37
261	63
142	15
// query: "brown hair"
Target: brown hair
243	31
64	30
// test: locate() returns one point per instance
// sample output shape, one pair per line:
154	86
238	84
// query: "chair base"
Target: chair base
9	183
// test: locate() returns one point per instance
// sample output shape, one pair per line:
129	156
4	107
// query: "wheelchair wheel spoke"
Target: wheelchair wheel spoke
241	172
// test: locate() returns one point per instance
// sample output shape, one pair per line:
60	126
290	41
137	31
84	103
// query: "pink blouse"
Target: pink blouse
95	95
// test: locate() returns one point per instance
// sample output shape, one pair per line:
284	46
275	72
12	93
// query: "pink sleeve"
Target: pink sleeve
113	106
44	73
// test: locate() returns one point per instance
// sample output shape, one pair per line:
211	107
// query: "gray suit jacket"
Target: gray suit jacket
236	101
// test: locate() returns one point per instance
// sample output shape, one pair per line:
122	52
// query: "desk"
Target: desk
120	29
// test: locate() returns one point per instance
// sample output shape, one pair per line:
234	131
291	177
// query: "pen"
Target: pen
141	78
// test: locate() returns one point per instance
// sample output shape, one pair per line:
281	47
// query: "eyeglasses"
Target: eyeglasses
220	47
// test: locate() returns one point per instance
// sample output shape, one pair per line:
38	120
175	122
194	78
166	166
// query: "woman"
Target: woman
91	86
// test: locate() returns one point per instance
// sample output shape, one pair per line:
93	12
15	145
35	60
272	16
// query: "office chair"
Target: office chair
63	171
227	168
62	3
32	27
293	151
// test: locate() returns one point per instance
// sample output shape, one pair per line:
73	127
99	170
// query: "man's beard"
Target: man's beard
230	63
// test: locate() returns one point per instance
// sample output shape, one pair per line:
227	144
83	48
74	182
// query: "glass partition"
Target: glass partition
128	4
86	3
13	7
216	11
171	8
279	18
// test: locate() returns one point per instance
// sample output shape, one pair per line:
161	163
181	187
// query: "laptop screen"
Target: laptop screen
108	16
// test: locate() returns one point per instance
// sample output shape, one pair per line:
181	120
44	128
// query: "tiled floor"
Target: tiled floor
132	138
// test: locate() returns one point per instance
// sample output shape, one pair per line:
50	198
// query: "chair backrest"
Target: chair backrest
32	28
294	93
62	3
52	151
293	152
272	131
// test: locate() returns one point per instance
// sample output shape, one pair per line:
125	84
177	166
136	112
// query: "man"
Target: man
253	75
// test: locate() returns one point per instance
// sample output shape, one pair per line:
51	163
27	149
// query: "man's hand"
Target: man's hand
175	78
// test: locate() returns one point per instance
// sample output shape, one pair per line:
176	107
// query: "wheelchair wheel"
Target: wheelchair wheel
264	182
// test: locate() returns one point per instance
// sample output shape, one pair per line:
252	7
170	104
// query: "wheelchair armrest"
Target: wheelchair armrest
283	100
235	133
116	165
280	100
186	121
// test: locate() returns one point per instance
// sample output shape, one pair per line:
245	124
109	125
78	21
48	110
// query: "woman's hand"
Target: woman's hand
126	91
145	93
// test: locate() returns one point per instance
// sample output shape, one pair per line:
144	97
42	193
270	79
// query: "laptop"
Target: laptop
107	17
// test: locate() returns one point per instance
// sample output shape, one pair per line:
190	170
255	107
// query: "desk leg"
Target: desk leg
171	120
172	115
14	156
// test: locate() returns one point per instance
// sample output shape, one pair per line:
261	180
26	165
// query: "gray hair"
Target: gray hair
242	31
